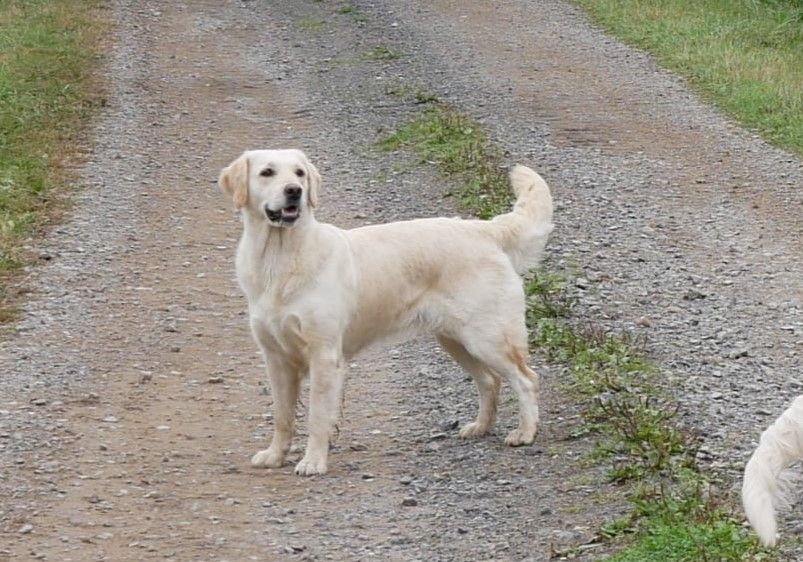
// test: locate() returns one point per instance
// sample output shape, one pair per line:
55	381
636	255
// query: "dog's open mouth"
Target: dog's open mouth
288	214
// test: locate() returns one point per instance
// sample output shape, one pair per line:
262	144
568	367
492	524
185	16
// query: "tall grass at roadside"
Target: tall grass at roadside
745	55
48	53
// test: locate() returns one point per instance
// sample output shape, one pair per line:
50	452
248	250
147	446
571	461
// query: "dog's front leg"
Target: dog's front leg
327	371
284	382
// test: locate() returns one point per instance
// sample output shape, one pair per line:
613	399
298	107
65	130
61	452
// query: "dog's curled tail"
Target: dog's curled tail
524	230
762	490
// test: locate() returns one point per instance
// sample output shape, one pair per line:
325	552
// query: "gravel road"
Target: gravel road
132	396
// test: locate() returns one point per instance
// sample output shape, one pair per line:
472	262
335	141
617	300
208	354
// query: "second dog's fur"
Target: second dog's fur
780	446
317	294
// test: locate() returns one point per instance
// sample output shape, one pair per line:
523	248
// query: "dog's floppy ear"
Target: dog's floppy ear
313	178
233	181
314	184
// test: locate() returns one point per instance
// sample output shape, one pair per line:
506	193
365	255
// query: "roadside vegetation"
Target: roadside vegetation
460	148
48	53
744	55
381	53
677	512
357	15
311	24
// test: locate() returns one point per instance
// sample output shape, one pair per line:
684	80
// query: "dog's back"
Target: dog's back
430	274
412	274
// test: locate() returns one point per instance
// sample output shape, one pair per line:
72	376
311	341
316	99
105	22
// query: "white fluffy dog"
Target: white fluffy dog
780	446
318	294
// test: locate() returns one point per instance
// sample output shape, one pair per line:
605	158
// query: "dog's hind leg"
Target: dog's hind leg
284	383
487	385
327	373
508	357
525	382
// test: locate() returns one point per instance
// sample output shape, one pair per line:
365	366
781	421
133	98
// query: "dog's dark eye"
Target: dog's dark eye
300	173
266	173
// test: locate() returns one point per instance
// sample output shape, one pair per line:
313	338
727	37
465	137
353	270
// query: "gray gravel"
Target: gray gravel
684	228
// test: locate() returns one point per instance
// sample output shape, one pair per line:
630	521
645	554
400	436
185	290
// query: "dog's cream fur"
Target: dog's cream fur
780	446
317	294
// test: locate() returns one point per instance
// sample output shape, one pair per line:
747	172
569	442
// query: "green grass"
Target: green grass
48	54
417	94
677	513
356	15
311	24
745	55
460	149
680	539
381	53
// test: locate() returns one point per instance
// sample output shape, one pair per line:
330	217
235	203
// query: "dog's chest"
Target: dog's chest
278	330
265	288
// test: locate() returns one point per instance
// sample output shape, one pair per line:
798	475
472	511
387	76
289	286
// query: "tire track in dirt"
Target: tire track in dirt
152	449
134	396
688	227
150	439
685	228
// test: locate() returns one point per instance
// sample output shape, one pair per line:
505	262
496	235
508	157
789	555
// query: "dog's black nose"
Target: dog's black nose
293	192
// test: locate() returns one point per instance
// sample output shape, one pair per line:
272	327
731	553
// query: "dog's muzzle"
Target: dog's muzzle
291	210
286	215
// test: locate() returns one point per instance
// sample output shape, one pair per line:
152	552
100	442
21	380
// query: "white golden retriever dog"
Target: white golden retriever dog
318	294
780	446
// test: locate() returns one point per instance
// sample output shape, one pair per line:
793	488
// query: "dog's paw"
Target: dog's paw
519	437
473	429
310	466
268	459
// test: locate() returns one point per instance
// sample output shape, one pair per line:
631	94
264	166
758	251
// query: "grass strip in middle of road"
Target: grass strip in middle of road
460	149
676	513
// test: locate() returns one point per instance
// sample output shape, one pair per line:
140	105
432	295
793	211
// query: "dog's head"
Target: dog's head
280	186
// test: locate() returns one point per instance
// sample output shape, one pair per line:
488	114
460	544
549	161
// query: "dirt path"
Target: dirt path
133	397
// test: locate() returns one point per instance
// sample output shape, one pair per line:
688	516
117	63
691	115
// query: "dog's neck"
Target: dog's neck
275	253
